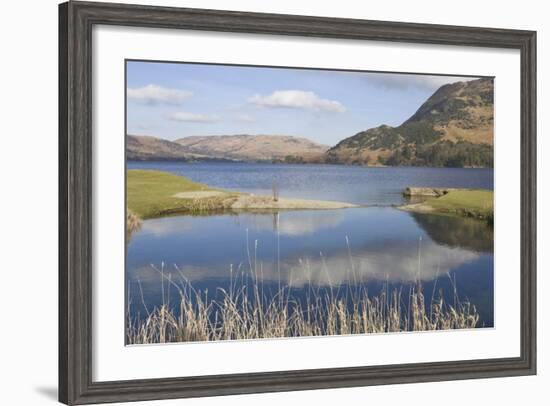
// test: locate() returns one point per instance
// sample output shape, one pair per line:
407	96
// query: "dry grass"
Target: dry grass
133	222
246	312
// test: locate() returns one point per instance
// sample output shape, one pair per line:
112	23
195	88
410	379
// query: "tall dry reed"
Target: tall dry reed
133	222
246	311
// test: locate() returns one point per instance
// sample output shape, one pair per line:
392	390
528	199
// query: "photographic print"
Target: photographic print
216	211
269	202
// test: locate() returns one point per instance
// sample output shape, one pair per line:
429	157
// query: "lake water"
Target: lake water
379	246
353	184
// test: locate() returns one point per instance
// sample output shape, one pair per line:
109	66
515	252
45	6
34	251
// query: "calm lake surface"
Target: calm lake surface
379	246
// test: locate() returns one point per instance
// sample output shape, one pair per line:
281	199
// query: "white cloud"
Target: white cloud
153	95
381	263
297	99
308	222
247	118
167	226
192	117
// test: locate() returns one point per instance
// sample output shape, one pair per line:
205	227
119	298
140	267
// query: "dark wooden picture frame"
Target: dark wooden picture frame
76	20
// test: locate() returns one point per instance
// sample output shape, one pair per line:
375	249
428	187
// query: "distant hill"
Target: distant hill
278	148
144	147
252	147
454	127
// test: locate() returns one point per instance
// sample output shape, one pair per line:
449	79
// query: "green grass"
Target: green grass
472	203
151	194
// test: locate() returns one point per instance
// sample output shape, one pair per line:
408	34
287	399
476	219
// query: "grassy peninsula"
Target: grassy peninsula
476	203
153	193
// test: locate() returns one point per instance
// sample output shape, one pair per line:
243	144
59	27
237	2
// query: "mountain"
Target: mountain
253	147
276	148
144	147
454	127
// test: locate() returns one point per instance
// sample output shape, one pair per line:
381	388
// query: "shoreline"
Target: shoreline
472	203
244	201
266	202
269	162
153	194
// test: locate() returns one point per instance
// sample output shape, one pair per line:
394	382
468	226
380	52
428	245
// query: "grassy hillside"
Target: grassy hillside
453	128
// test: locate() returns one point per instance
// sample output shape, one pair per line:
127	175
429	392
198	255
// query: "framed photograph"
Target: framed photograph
258	202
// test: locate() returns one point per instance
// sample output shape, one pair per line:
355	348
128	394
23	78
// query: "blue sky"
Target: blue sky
175	100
